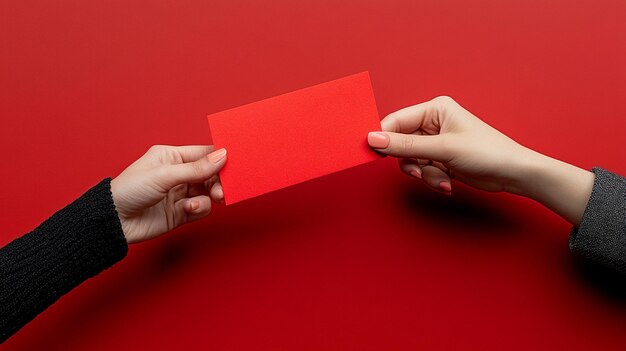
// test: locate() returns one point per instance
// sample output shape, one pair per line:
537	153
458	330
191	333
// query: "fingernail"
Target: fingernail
194	205
378	140
445	186
415	173
217	155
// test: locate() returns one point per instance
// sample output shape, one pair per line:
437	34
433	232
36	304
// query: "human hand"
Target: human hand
439	140
167	187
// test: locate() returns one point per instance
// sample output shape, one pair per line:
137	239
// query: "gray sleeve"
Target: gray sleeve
601	236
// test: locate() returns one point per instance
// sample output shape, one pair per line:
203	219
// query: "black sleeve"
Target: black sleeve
76	243
601	236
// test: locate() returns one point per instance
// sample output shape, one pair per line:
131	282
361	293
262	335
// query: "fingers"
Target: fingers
174	154
203	188
412	118
196	190
216	192
197	171
192	153
410	167
433	174
192	209
417	132
437	179
410	146
213	188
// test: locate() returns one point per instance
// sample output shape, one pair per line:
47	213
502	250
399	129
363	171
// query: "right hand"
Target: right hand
439	140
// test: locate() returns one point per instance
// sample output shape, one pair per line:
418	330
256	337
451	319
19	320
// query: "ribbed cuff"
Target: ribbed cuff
601	236
73	245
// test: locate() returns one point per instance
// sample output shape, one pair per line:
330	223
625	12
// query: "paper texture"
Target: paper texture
298	136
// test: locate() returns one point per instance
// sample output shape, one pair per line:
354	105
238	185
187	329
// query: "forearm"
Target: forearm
73	245
563	188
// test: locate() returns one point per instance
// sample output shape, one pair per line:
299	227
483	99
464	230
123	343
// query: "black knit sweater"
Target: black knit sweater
73	245
86	238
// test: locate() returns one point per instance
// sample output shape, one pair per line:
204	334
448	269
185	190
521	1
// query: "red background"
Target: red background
362	259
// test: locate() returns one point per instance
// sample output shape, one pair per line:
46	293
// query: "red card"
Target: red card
298	136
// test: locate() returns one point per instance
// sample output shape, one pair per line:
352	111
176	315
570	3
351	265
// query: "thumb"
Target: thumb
409	145
192	172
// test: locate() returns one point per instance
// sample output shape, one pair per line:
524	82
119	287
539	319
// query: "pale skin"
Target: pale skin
167	187
439	140
435	141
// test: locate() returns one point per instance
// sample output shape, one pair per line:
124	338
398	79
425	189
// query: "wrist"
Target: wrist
562	187
523	172
118	208
533	174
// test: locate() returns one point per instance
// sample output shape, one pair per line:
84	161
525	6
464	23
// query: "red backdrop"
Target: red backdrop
362	259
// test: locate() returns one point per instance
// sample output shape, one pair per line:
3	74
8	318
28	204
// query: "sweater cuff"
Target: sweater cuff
76	243
601	236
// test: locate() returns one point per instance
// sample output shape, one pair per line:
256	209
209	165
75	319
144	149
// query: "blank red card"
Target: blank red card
298	136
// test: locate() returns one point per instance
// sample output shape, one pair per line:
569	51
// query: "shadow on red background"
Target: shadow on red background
468	215
468	221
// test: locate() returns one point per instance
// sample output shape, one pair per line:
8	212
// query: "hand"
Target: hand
167	187
439	140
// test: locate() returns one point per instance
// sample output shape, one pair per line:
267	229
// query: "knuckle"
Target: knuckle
165	154
445	105
156	148
444	100
407	142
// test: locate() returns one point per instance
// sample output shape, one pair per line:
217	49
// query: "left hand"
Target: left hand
167	187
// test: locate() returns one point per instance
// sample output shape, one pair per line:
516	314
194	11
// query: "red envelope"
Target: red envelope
298	136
